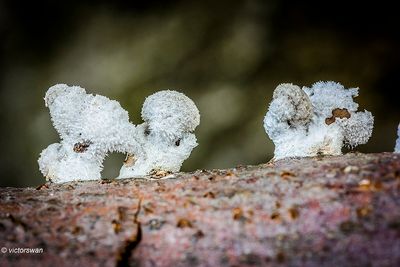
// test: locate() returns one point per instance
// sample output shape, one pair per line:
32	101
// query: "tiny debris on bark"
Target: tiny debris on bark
324	211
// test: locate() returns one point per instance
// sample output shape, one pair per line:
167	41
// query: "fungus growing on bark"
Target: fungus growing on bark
91	126
397	146
166	136
316	121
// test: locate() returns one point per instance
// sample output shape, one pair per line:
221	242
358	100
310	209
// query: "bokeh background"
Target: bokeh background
228	56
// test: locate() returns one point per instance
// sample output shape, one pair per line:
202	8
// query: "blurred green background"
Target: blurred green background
228	56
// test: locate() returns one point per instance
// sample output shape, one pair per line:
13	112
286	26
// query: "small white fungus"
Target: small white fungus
90	126
166	136
397	147
316	121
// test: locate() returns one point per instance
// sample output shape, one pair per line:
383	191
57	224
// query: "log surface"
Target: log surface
327	211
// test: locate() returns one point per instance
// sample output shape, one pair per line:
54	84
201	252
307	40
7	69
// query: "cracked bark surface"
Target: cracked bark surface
324	211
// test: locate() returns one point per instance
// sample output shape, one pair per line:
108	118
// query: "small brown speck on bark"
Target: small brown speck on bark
183	223
237	213
294	213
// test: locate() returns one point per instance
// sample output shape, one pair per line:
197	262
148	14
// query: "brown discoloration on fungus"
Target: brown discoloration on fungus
330	120
338	113
81	147
129	160
159	173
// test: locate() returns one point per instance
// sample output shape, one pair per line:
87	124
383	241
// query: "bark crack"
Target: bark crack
131	243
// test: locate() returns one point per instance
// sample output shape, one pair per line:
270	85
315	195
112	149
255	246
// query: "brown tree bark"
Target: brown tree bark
328	211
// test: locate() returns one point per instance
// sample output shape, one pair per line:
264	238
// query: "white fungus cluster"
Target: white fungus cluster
304	122
91	126
397	147
166	136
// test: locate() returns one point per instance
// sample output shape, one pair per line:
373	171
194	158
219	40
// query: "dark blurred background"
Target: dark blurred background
228	56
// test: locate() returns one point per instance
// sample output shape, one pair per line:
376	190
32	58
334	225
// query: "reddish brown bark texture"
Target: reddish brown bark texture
328	211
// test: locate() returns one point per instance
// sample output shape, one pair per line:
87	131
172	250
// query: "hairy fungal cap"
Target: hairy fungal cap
171	112
60	89
286	89
298	105
328	96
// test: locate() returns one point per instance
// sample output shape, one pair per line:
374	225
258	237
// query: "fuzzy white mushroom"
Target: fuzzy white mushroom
90	126
315	121
397	147
166	136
